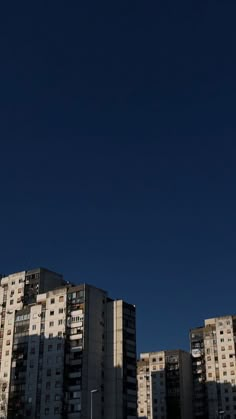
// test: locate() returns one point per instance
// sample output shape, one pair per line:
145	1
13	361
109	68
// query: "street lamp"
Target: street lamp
92	392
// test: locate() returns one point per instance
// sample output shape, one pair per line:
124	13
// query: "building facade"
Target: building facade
63	348
214	368
165	385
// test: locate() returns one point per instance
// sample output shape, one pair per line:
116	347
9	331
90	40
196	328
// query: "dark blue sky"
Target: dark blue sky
117	134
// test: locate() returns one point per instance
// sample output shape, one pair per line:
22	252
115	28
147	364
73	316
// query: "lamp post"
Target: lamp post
92	392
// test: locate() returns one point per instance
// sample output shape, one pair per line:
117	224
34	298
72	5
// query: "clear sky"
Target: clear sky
117	150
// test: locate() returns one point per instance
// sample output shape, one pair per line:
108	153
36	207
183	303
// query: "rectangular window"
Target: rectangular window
61	298
51	324
34	327
52	313
60	311
52	300
60	322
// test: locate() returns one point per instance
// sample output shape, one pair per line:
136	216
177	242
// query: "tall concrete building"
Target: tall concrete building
165	385
214	368
64	350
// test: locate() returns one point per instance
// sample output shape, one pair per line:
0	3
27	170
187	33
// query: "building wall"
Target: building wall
165	385
186	388
219	367
59	344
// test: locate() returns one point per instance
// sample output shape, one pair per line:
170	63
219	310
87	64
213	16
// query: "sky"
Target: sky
117	150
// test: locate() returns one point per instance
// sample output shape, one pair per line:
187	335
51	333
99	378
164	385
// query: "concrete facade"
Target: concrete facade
60	342
214	368
165	385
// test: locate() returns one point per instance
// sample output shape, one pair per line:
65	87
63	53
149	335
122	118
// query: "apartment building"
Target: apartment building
214	367
165	385
64	347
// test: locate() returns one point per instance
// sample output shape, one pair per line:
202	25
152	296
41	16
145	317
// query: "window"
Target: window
75	394
50	335
48	385
49	372
224	373
51	324
59	335
47	398
46	411
154	360
59	346
222	340
7	353
60	322
222	348
230	347
58	371
60	311
232	372
221	332
56	410
52	300
49	348
61	298
57	397
34	327
58	384
52	313
19	290
11	302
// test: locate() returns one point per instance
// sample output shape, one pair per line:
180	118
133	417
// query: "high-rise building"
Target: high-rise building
65	350
214	368
165	385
